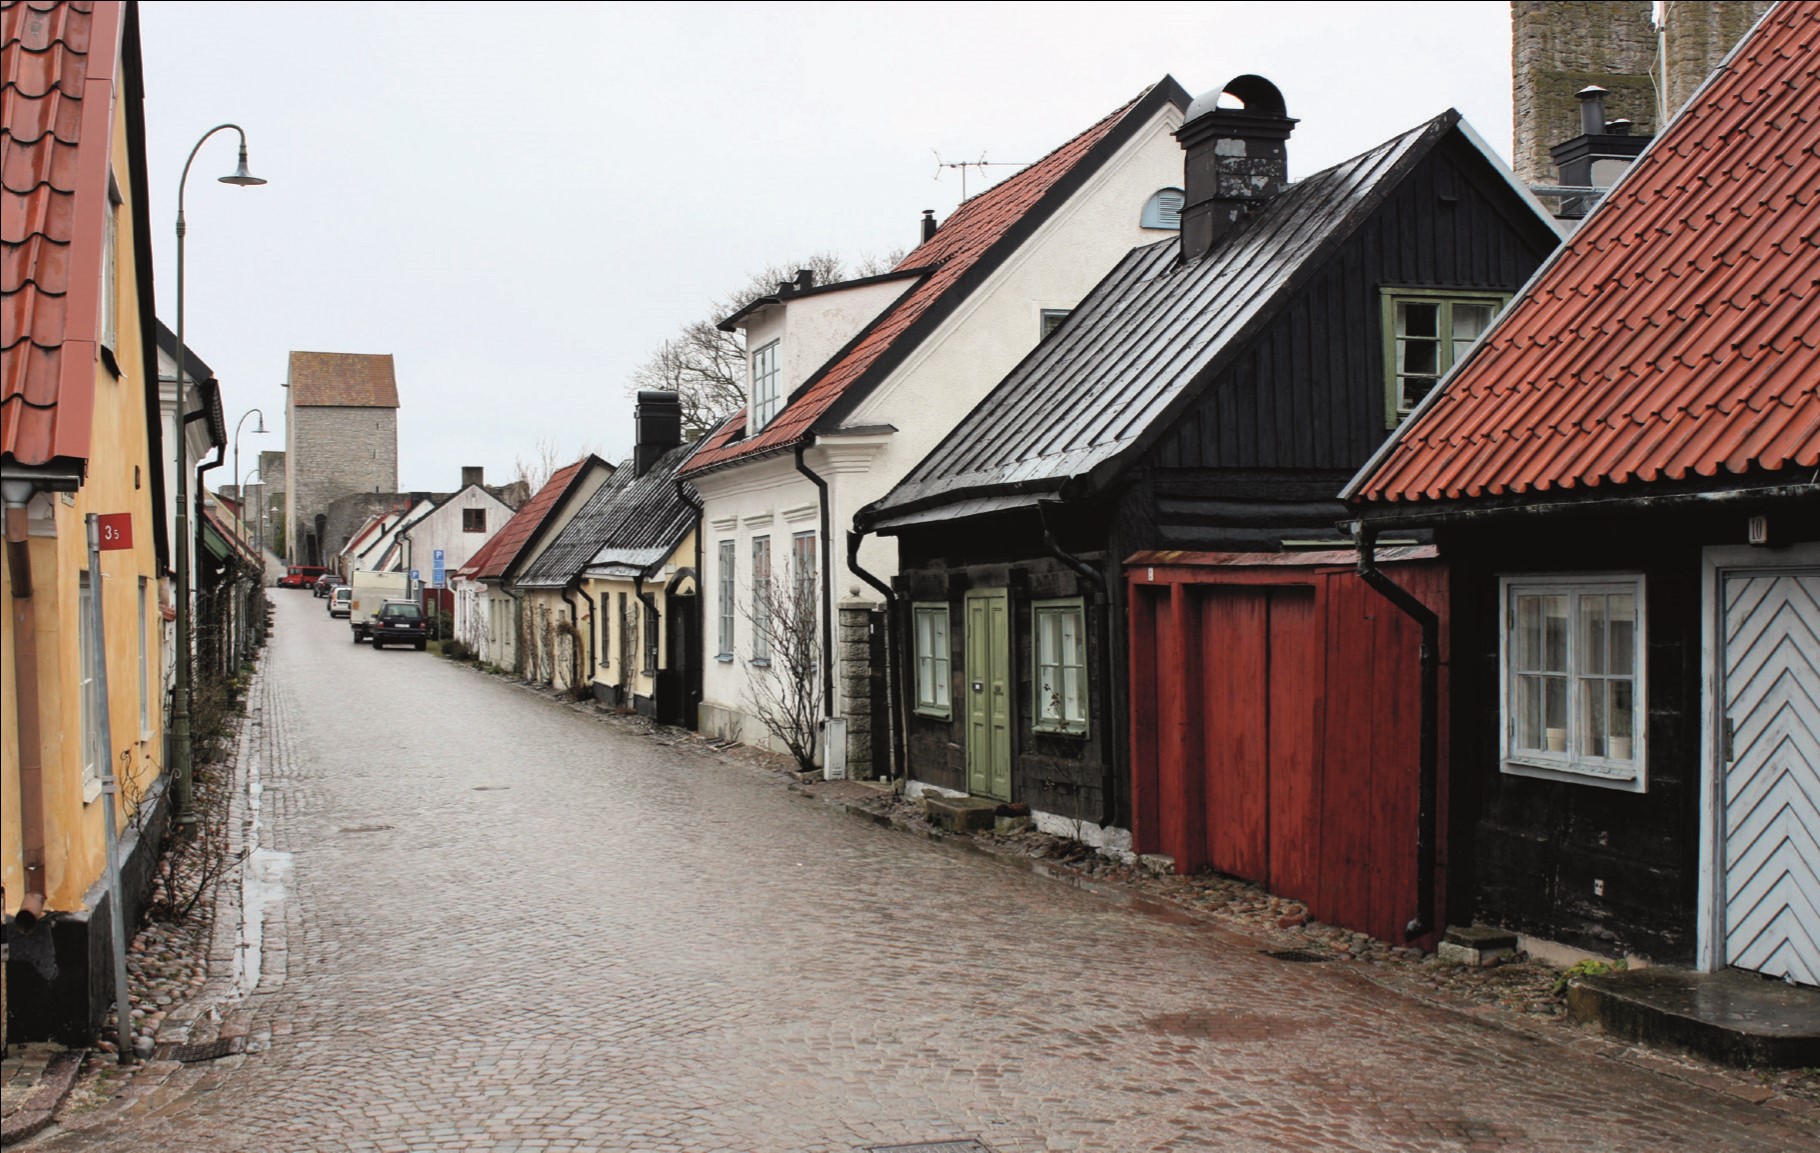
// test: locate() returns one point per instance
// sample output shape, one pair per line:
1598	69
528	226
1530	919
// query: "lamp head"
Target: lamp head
261	427
241	176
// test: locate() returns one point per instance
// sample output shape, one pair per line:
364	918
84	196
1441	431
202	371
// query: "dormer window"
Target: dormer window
765	399
1426	332
1163	211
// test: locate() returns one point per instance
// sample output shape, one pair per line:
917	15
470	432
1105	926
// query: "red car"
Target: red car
300	576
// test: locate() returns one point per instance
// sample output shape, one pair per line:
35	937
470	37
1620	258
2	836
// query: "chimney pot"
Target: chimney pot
473	474
805	279
929	224
1592	110
1235	160
1619	127
658	418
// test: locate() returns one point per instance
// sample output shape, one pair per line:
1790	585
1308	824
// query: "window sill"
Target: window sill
90	790
113	365
934	714
724	658
1599	775
760	662
1056	731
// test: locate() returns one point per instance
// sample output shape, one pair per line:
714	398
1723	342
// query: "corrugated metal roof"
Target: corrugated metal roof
496	556
1143	337
1678	333
627	513
55	122
343	380
970	238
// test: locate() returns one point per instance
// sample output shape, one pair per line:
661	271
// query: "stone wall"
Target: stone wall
862	688
333	452
1560	46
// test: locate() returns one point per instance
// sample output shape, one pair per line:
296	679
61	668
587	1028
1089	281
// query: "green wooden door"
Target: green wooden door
989	694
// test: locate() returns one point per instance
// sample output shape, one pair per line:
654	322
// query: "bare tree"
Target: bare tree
785	692
707	367
535	470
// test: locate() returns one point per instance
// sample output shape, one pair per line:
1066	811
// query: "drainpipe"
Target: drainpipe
1103	666
827	584
685	490
1430	624
25	689
518	625
653	620
894	657
593	627
574	649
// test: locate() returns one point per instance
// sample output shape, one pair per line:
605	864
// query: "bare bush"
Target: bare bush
785	693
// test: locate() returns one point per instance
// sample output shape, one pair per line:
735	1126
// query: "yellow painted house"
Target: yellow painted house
79	434
616	588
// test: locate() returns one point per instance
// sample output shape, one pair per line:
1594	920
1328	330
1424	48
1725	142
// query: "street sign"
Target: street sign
436	569
414	575
116	530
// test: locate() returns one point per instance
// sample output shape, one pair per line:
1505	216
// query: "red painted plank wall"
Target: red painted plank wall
1275	732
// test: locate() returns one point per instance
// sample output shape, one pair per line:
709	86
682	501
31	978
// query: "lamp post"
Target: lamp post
240	490
180	694
243	601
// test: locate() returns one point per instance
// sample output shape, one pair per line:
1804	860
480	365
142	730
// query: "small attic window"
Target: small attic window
1163	210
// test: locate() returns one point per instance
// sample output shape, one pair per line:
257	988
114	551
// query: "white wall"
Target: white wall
442	529
811	329
923	398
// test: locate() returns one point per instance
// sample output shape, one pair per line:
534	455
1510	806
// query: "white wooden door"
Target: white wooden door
1770	762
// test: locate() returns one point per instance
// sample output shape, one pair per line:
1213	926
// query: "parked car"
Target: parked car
300	576
327	583
372	590
400	622
341	601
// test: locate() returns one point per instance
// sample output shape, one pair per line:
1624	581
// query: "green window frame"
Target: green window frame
1426	331
934	660
1058	641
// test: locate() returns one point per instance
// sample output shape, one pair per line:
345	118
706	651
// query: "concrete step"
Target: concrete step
961	814
1735	1018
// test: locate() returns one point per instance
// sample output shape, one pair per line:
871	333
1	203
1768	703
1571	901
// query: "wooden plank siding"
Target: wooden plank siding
1286	751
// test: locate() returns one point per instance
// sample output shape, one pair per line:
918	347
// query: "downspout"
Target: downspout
827	583
685	490
25	690
1103	666
593	628
894	656
518	624
1429	755
574	649
652	620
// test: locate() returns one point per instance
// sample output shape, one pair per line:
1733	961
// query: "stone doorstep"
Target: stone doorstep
1731	1017
961	814
1476	945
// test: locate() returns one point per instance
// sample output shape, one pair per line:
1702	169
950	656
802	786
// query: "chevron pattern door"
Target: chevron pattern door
1771	761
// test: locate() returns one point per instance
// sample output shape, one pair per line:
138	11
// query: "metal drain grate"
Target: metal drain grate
491	788
206	1050
365	828
1298	956
933	1147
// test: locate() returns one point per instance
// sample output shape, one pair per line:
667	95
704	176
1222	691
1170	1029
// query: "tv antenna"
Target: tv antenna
982	164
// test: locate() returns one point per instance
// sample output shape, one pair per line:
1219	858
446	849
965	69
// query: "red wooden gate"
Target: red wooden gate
1276	726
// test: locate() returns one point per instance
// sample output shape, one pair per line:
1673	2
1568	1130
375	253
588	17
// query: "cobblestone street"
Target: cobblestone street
492	922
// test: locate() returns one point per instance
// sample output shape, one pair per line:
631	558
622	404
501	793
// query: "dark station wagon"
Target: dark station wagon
400	622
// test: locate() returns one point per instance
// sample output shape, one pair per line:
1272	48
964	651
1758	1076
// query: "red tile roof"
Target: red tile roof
1678	333
966	239
496	556
343	380
56	119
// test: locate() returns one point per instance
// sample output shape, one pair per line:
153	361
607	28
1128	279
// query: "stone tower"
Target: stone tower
341	437
1561	46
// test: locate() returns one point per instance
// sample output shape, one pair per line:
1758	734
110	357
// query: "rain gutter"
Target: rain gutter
827	582
593	628
27	724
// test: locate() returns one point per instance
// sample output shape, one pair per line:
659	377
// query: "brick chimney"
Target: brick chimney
659	422
473	474
1236	161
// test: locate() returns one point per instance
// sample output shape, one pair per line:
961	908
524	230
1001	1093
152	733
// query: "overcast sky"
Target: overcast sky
520	201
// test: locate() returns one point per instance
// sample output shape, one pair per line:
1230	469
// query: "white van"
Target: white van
371	590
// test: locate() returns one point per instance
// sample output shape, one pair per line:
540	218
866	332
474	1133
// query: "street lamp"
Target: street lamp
181	763
240	491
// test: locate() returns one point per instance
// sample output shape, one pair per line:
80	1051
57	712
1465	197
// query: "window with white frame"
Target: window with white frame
726	601
802	573
764	386
1426	333
1061	666
1051	319
933	661
761	598
651	622
88	690
1572	656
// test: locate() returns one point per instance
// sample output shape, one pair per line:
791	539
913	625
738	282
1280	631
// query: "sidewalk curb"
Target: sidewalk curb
1663	1064
38	1111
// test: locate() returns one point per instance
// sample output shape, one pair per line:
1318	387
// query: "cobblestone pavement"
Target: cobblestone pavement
490	922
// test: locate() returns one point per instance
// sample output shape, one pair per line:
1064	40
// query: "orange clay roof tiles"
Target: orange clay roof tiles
343	380
496	556
1677	335
963	240
46	389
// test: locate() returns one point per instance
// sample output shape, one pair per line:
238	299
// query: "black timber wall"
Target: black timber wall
1526	852
1080	777
1308	393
